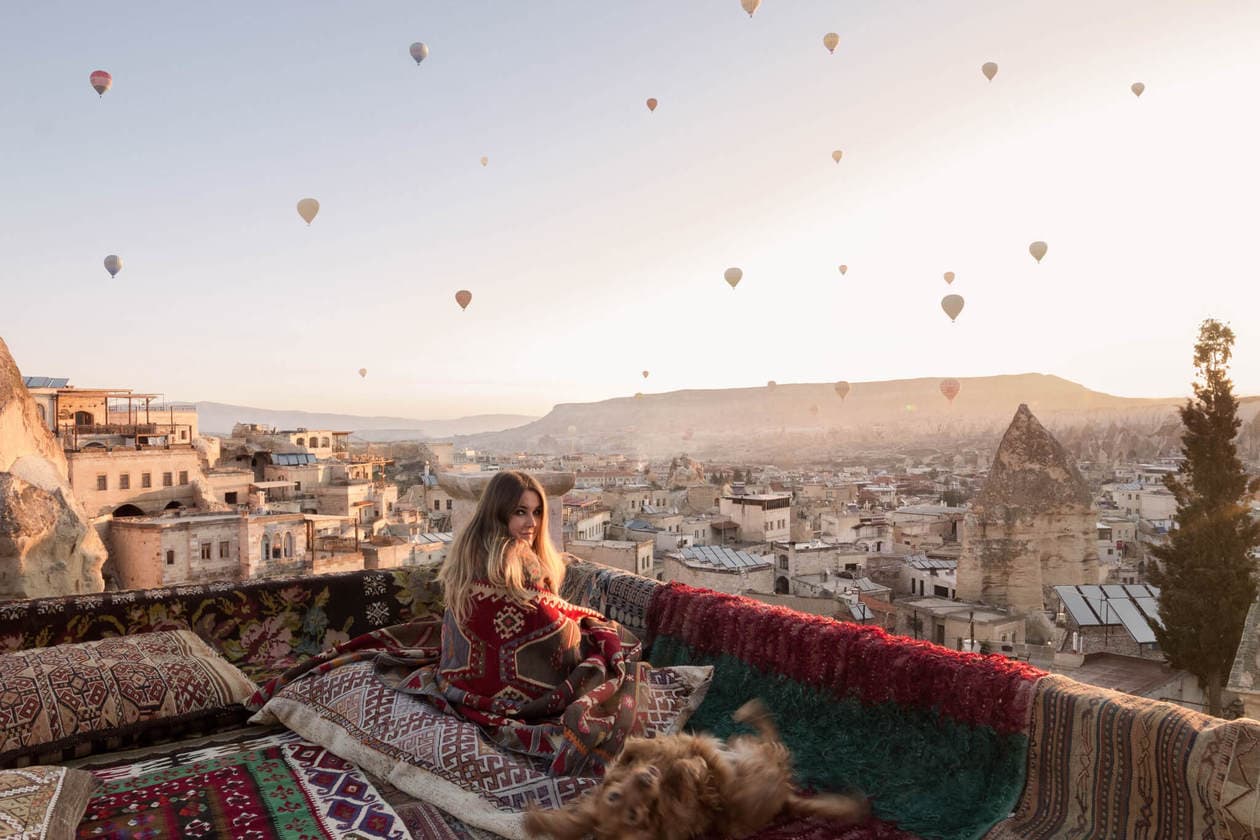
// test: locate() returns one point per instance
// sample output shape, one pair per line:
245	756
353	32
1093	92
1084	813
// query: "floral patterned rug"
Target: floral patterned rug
275	786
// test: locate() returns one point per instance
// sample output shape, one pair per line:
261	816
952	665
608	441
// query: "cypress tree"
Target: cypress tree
1205	572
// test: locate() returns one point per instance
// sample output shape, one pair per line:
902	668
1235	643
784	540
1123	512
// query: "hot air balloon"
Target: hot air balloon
1137	88
830	40
952	304
950	388
363	373
645	374
307	208
836	155
1038	250
949	277
101	81
463	297
750	6
989	69
419	51
113	264
651	103
484	160
844	269
842	389
733	276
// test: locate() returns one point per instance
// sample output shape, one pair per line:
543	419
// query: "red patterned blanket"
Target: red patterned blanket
547	679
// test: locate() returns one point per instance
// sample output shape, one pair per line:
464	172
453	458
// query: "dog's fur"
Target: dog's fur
681	786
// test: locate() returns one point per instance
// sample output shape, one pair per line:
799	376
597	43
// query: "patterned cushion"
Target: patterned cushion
43	802
56	699
446	760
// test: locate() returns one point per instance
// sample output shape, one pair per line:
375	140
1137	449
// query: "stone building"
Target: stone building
627	555
721	569
1032	526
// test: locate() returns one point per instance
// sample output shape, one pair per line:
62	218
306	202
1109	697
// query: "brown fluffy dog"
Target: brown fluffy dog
681	786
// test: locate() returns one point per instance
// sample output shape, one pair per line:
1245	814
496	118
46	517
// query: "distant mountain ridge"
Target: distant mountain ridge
219	418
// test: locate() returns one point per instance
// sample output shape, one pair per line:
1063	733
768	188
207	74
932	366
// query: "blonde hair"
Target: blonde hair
484	550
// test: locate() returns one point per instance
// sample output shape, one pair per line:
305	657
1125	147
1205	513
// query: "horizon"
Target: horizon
598	232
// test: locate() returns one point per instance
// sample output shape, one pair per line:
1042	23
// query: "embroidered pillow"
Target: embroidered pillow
62	701
43	803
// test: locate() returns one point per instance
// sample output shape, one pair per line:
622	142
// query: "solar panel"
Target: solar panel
1133	621
1091	591
1081	612
1137	590
1151	607
1113	590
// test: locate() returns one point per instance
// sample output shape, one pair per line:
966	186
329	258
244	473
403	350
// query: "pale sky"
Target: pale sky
595	241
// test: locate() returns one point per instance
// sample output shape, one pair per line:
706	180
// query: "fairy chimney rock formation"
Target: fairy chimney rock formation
1033	525
47	545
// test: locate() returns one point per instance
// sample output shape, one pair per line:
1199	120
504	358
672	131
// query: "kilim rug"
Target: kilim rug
276	786
1106	764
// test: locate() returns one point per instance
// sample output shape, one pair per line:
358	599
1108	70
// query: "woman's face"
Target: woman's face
526	518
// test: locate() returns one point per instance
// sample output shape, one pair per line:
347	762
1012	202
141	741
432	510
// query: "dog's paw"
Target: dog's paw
750	711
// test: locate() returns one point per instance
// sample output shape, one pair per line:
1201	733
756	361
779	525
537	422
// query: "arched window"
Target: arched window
324	445
83	418
302	441
266	547
288	544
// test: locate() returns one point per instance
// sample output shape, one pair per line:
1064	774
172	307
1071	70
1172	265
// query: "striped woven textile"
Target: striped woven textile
622	596
937	738
1106	764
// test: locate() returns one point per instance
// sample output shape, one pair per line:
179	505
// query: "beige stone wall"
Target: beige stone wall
223	482
256	563
759	580
85	467
136	555
145	554
627	555
1015	563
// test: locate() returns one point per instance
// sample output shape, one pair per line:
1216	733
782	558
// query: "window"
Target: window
183	477
300	441
102	482
146	479
783	563
288	545
266	547
297	485
275	550
205	551
230	497
170	558
124	481
325	443
183	434
167	479
437	504
225	549
448	504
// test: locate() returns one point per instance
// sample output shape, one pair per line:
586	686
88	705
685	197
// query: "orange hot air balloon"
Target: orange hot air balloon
651	103
844	269
989	69
950	389
463	297
842	389
949	277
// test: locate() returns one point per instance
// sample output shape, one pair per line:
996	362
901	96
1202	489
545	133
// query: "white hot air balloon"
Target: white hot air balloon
419	51
113	264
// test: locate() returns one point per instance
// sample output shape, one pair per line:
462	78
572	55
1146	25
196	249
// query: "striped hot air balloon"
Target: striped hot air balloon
101	81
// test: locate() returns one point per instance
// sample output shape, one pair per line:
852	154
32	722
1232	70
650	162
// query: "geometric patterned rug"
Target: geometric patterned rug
275	786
